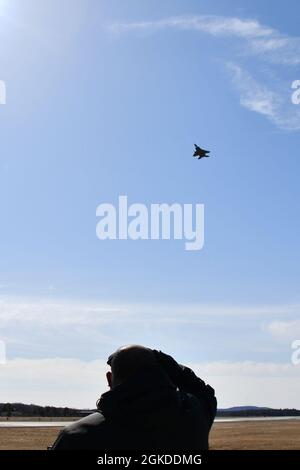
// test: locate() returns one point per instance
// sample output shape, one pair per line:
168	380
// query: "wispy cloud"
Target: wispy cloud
254	96
247	369
216	25
261	39
53	381
257	40
89	330
59	312
261	99
284	329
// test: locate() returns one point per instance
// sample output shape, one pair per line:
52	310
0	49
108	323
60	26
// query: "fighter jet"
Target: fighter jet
200	153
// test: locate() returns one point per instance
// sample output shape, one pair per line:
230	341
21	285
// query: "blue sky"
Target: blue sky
106	98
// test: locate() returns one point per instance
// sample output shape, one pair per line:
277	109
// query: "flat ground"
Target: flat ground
259	435
241	436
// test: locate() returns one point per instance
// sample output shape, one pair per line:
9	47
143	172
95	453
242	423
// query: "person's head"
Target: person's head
128	361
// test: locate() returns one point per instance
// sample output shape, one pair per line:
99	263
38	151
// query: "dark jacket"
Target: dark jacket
147	412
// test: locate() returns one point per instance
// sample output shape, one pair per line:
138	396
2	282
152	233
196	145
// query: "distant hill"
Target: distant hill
256	411
243	408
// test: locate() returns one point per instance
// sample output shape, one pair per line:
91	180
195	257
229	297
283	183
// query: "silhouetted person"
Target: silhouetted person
200	153
153	403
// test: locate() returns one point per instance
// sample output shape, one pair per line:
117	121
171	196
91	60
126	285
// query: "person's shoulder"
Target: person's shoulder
89	422
194	402
187	397
199	405
79	435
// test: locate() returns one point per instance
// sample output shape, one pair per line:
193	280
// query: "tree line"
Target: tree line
20	409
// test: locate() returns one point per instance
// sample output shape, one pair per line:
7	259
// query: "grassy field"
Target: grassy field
241	436
259	435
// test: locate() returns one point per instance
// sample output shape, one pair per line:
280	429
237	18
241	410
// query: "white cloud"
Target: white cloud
261	41
261	99
215	25
284	329
61	382
56	312
76	383
274	385
39	328
246	369
254	96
